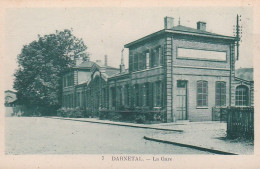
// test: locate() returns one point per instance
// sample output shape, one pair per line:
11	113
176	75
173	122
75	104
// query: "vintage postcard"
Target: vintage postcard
129	84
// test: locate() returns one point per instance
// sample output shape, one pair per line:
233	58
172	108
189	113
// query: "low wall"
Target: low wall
134	116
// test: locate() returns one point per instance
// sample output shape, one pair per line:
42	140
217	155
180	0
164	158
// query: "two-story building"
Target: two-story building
180	71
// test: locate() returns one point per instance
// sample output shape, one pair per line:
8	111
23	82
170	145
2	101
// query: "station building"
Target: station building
179	71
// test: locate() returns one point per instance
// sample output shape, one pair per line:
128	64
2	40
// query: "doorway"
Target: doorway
182	100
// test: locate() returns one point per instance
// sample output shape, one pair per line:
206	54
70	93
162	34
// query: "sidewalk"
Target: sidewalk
147	126
205	136
208	136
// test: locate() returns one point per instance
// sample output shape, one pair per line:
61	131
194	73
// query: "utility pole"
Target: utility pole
238	34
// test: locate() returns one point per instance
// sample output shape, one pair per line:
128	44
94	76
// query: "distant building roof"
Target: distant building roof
89	64
245	74
111	72
120	75
10	91
182	30
86	64
10	96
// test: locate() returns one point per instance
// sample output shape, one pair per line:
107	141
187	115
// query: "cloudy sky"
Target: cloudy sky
106	30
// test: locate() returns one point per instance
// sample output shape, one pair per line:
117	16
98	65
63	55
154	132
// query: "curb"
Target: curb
190	146
125	125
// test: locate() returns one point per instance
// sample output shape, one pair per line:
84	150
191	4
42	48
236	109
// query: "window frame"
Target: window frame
143	95
147	58
131	62
126	94
157	94
136	95
156	54
161	56
245	96
113	96
204	95
219	95
135	62
140	61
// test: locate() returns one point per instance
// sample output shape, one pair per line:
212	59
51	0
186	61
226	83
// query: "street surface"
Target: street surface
39	135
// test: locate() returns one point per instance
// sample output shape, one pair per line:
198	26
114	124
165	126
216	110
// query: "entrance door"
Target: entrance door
181	100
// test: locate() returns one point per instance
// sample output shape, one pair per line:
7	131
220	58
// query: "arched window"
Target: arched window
242	96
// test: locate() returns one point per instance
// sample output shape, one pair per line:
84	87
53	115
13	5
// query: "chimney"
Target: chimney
78	61
122	65
87	58
201	26
99	62
168	22
105	60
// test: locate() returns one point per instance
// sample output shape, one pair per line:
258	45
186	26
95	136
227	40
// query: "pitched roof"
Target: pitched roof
86	64
245	74
111	72
122	73
192	30
182	30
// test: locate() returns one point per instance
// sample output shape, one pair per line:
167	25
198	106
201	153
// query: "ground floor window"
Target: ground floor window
136	94
158	94
88	98
78	100
113	96
147	93
82	98
242	96
202	93
143	95
126	94
220	93
120	96
103	96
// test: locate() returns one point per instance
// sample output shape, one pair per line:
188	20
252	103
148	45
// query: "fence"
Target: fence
218	115
240	122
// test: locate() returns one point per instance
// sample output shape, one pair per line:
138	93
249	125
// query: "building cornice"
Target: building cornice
165	31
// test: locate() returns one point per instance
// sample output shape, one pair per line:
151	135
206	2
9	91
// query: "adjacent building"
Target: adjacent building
10	98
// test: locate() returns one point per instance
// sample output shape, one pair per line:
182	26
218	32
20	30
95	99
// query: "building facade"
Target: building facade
10	98
179	71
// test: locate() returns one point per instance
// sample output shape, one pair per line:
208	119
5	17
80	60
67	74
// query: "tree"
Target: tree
41	65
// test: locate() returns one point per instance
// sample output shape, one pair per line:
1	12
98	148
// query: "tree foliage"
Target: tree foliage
41	64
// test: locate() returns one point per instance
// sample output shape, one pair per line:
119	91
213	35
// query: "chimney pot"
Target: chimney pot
105	60
78	61
201	26
98	61
168	22
87	59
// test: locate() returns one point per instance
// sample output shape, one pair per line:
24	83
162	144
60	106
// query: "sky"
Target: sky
106	30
